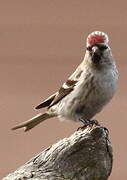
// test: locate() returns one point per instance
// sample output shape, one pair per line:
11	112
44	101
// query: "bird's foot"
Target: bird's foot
88	122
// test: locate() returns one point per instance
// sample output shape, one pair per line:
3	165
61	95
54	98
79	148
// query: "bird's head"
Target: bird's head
98	48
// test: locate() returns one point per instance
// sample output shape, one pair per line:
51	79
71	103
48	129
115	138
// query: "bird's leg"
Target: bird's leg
87	122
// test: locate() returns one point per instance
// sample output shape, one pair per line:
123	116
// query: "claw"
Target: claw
87	123
82	127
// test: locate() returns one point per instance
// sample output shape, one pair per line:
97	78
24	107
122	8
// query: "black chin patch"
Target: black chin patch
96	58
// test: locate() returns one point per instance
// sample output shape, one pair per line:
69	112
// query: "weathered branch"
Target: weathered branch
86	155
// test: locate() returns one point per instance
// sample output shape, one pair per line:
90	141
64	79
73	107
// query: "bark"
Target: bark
85	155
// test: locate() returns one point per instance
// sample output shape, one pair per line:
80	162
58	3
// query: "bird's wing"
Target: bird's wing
46	102
66	88
53	99
63	91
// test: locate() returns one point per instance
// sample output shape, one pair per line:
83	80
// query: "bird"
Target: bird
87	90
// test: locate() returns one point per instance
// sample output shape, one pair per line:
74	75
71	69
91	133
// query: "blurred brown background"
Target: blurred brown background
41	43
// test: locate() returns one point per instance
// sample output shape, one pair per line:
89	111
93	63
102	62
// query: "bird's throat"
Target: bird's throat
96	58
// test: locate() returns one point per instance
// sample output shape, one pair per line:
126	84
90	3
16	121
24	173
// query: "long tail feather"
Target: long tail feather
27	125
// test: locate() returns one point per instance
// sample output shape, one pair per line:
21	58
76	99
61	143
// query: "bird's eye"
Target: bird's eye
100	47
89	48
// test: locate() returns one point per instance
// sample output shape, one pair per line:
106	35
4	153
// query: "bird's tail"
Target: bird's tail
27	125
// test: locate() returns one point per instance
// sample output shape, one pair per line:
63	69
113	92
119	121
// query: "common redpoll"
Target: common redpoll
87	90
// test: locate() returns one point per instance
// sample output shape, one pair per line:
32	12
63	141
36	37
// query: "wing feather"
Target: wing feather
63	91
67	87
47	102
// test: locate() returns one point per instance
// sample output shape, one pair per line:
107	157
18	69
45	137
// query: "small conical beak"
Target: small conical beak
95	50
96	54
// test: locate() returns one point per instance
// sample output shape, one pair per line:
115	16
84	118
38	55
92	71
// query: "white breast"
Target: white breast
85	101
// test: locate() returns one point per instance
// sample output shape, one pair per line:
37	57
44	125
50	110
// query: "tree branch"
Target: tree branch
86	155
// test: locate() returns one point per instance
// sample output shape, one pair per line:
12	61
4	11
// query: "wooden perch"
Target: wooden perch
86	155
